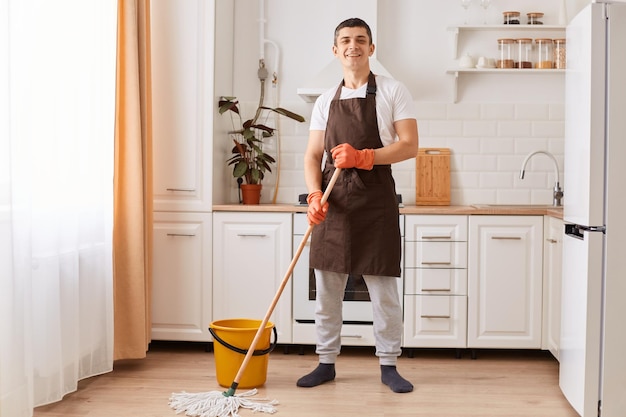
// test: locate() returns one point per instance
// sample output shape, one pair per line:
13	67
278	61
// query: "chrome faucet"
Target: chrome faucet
557	193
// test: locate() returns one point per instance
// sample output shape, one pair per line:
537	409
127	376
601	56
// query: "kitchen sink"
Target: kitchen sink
515	206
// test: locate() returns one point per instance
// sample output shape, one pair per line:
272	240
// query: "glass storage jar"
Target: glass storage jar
505	49
544	53
511	18
535	18
559	53
524	58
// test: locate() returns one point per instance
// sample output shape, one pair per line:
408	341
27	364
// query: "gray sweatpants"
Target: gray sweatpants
387	312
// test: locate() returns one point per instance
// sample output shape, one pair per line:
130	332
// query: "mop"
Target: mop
228	403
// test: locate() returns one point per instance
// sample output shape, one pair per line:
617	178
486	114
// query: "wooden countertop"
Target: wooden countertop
410	209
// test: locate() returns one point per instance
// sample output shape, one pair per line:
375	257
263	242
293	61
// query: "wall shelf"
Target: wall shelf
512	31
499	71
509	71
457	30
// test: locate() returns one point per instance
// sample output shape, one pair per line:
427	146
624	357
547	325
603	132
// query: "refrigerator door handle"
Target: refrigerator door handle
574	230
578	232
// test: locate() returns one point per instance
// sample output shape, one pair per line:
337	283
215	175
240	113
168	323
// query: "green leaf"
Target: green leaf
265	165
265	129
256	175
286	113
226	105
248	134
240	169
267	157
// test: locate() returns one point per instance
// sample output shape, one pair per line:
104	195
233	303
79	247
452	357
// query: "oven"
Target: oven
357	308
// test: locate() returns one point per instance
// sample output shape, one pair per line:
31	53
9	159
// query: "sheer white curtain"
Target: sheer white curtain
57	88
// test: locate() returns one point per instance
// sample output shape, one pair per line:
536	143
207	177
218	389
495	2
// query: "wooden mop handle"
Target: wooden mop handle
279	292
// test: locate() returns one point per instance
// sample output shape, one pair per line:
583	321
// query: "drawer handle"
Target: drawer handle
187	190
436	289
437	237
551	240
506	237
181	234
436	263
432	316
251	234
352	336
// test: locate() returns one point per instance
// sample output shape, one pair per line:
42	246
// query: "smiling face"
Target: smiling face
353	46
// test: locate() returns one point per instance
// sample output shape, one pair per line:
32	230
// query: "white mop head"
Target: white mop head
216	404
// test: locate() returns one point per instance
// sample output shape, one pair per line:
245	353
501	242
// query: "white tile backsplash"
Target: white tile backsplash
488	142
533	112
497	111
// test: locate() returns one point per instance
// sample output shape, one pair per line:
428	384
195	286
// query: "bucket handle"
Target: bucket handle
244	351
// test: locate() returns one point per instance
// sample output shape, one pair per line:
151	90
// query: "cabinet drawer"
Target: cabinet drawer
437	281
436	228
435	254
435	321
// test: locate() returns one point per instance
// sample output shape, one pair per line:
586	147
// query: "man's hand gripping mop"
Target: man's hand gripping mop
227	403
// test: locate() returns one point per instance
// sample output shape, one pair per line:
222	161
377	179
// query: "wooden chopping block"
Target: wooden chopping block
432	177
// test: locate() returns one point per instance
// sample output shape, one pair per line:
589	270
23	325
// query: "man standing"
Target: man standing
363	126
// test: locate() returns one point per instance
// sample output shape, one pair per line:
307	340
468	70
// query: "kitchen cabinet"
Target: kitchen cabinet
182	108
181	283
482	41
251	254
435	276
552	259
505	282
182	104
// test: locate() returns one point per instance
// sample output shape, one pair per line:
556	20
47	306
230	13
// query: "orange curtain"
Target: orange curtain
132	232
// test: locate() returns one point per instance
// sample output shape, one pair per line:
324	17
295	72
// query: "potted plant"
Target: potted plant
249	160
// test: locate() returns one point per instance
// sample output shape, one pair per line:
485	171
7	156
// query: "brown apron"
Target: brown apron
361	233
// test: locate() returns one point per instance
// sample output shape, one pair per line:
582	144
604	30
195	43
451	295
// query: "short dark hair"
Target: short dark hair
353	22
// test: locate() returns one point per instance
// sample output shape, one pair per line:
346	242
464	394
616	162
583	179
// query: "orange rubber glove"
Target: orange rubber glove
345	156
316	213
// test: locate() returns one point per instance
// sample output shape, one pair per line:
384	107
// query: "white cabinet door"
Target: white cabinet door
505	282
181	289
435	281
552	270
182	103
251	253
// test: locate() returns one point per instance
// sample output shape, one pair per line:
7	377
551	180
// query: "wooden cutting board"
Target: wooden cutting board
432	177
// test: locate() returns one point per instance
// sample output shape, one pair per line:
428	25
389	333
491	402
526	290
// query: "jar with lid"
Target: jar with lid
511	18
559	53
505	49
544	53
535	18
524	57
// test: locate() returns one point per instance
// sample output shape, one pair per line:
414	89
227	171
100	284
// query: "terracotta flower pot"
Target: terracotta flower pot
251	193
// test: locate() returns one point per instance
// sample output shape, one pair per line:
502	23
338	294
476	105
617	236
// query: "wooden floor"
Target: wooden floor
496	383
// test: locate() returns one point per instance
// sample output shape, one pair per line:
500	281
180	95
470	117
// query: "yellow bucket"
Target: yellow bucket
233	337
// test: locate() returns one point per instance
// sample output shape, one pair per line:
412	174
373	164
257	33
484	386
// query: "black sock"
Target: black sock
389	376
323	373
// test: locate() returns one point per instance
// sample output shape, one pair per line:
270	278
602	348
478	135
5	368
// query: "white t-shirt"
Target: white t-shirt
393	103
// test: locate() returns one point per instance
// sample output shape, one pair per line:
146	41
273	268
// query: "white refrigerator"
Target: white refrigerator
592	353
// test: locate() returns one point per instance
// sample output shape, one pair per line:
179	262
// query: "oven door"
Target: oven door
357	308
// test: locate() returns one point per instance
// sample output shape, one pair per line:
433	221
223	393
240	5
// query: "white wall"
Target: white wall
495	123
